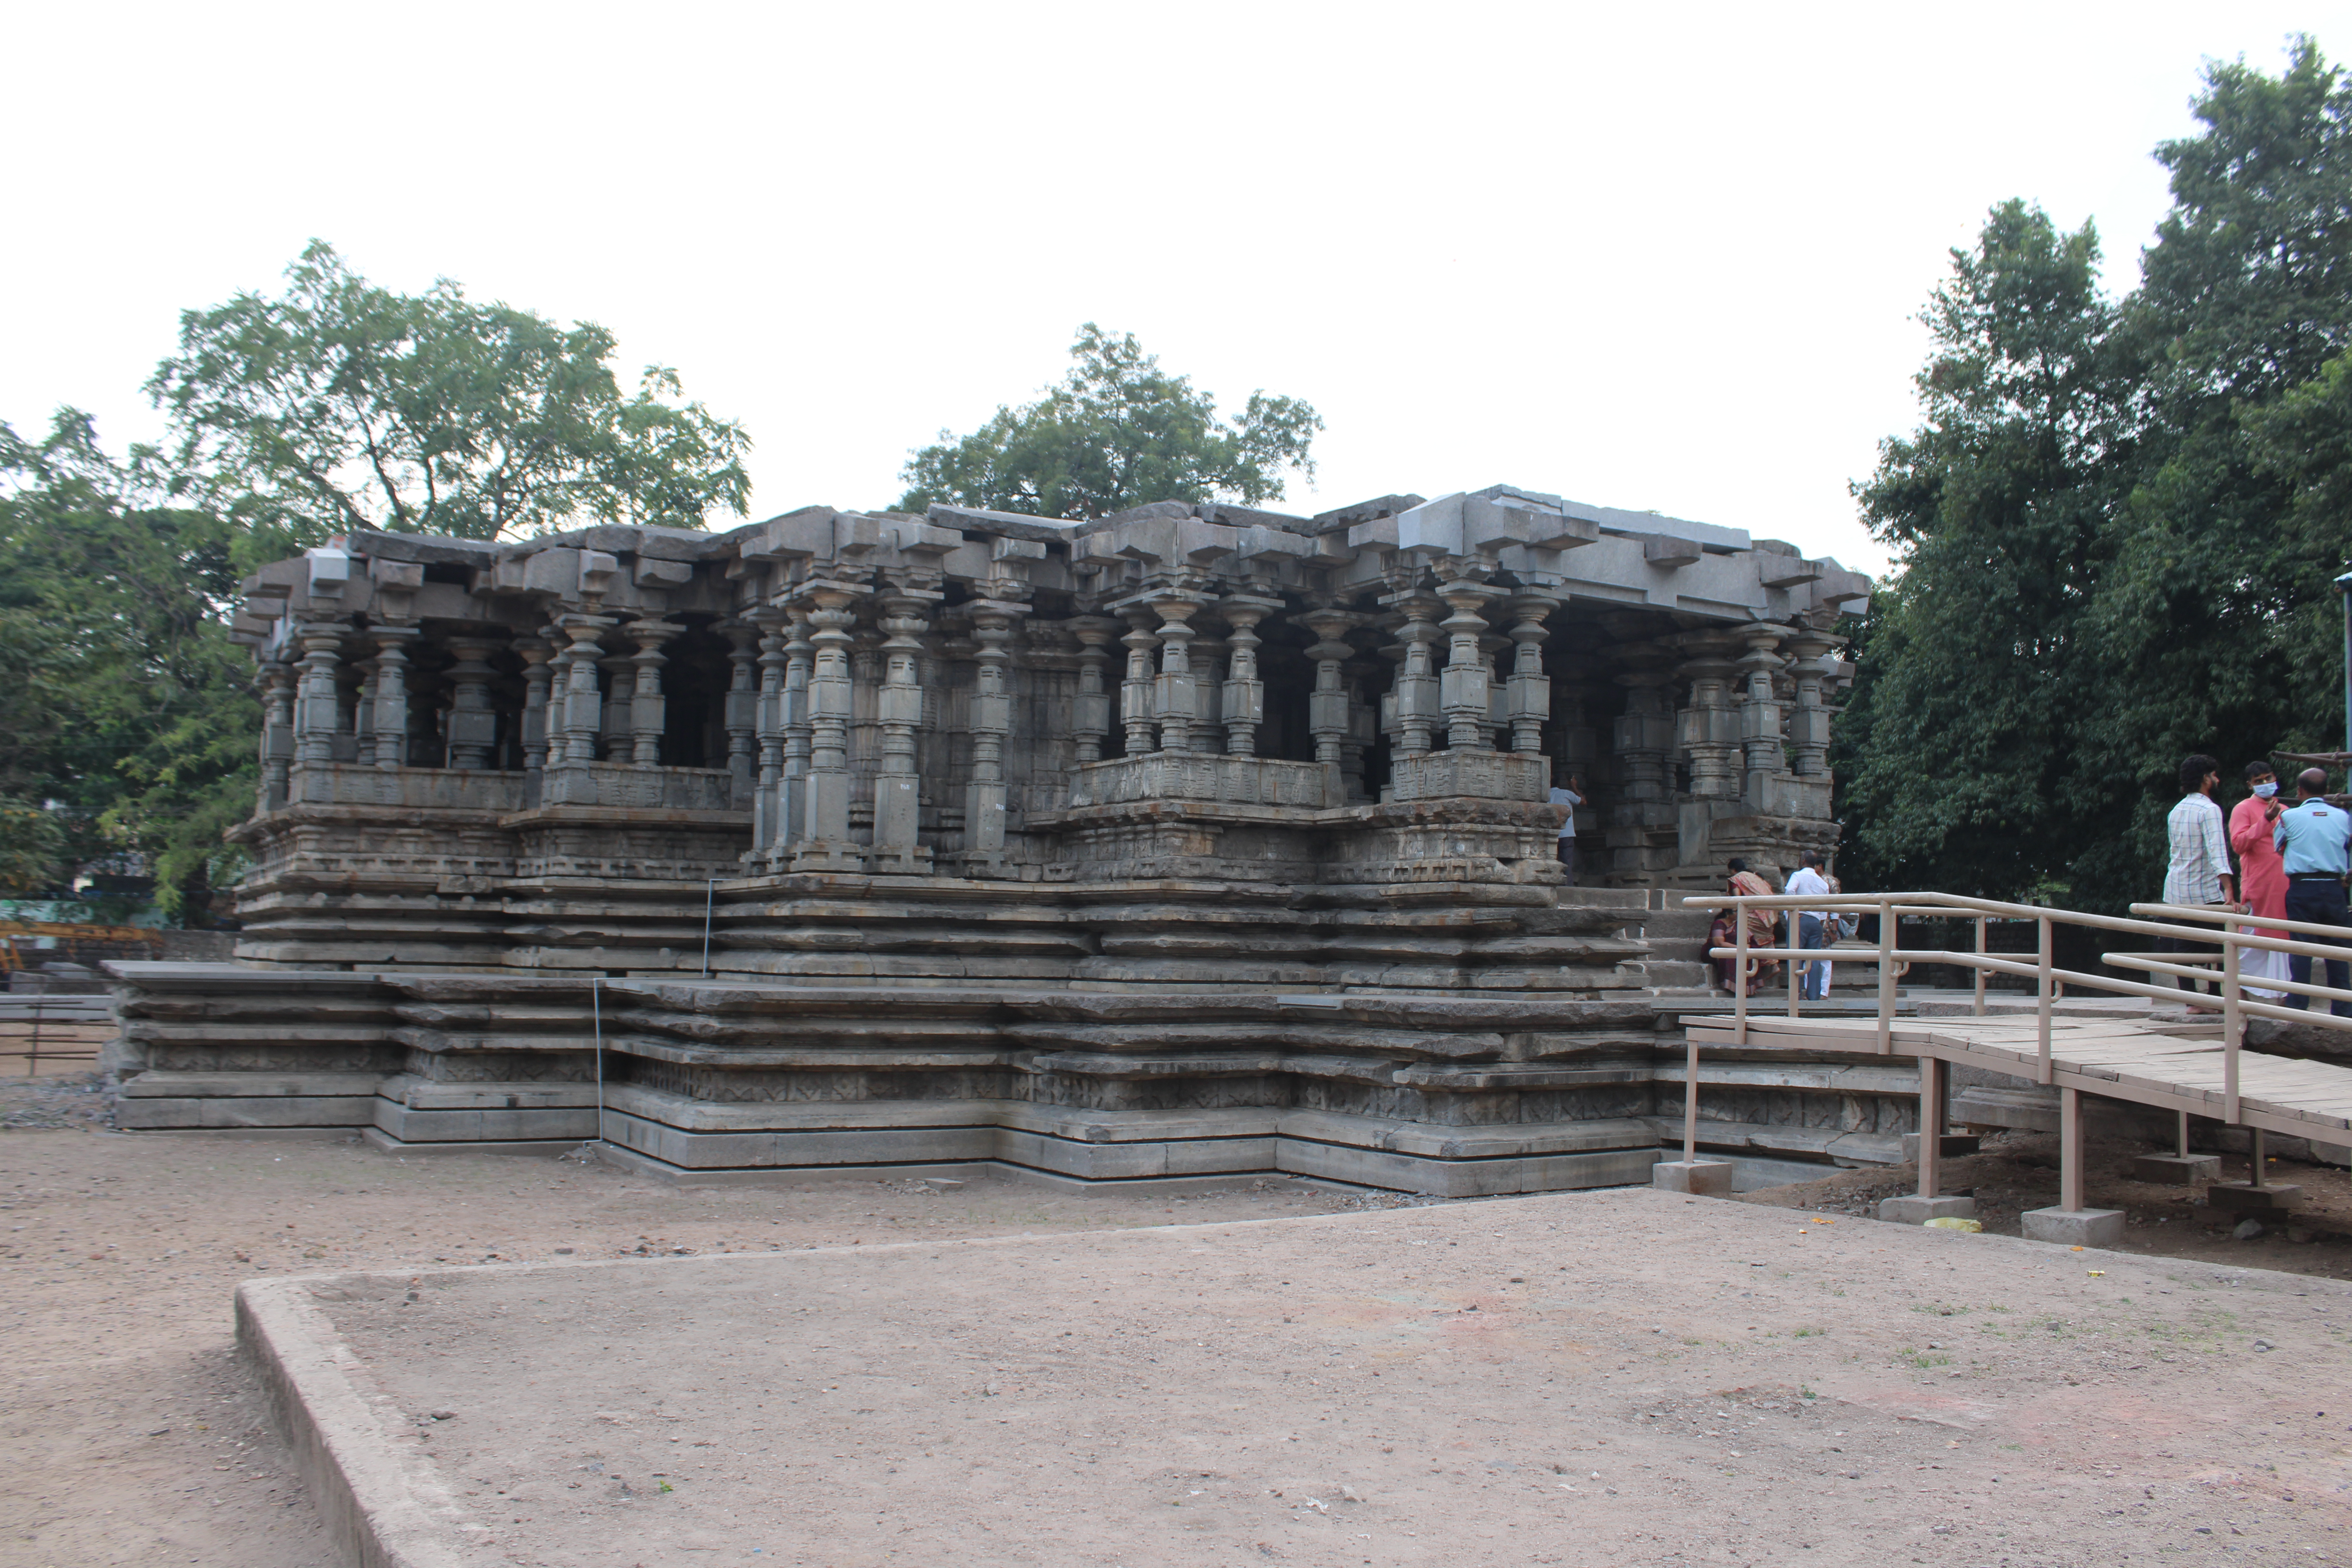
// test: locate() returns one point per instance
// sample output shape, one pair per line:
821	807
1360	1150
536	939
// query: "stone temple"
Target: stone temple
1193	841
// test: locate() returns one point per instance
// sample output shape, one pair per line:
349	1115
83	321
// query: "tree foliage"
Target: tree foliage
341	405
2117	521
124	709
1117	432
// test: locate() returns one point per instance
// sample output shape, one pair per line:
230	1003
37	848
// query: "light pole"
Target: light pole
2344	586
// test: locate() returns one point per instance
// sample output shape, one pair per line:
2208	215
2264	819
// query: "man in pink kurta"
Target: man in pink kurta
2261	874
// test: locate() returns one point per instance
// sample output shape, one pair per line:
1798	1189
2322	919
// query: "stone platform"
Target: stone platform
1627	1376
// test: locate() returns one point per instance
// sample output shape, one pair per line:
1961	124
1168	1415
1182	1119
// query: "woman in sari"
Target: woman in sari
1760	923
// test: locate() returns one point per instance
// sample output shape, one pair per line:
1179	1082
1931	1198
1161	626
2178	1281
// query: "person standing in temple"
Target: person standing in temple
1813	926
2199	871
1570	792
2315	839
2261	876
1746	883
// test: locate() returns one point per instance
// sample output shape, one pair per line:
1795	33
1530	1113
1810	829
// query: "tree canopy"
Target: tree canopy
342	405
1117	432
128	719
2118	520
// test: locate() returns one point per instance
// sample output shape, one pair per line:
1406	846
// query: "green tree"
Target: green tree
1117	432
340	405
2143	568
121	698
1970	673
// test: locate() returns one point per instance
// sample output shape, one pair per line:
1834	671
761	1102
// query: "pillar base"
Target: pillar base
2074	1227
1700	1178
1910	1208
2239	1197
2176	1170
829	855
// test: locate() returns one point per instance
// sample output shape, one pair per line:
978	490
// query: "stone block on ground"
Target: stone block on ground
2176	1170
2241	1197
1910	1208
2074	1227
1702	1178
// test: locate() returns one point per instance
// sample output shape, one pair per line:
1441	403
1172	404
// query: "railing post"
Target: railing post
1885	977
1796	970
2070	1150
1690	1098
2233	1024
2042	1009
1981	951
1740	972
1931	1125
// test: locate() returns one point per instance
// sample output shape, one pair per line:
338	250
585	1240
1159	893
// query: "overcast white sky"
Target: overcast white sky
1648	257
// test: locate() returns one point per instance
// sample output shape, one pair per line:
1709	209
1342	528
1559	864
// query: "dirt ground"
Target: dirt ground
133	1435
2018	1171
131	1432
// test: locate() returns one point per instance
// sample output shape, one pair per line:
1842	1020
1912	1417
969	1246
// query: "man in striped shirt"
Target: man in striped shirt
2198	871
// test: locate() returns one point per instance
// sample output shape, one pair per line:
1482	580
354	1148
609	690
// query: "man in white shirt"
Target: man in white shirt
1813	926
1569	793
2198	871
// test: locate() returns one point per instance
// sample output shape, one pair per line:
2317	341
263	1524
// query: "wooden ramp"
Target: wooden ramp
2179	1067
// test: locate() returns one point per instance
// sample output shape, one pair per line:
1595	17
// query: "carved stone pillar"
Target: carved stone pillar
826	844
536	674
1135	691
1529	689
357	726
616	736
1644	737
1173	695
742	709
1809	724
1760	712
1243	697
1709	731
767	724
473	724
277	735
800	670
1363	727
1090	712
1326	706
992	723
1414	700
1468	684
568	781
318	712
392	694
897	789
648	710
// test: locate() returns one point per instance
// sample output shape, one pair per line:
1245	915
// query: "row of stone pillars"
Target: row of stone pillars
566	720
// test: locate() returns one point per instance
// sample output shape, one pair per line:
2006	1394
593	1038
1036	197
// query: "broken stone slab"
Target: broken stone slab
2176	1170
1700	1178
2074	1227
2242	1197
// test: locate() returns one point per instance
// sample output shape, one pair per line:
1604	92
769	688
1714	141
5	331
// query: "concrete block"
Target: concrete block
1702	1178
2176	1170
2237	1197
2080	1227
1910	1208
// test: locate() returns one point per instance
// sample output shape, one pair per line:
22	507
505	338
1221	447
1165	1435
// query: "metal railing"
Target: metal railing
2175	923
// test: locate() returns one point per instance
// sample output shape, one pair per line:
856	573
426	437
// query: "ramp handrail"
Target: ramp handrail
2175	923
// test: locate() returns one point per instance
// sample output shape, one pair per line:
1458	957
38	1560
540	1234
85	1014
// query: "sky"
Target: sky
1657	257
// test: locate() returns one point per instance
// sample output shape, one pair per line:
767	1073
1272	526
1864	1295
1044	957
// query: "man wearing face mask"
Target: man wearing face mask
2261	876
2315	840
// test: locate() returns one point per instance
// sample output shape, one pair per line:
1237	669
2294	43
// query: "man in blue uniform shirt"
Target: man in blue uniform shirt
2316	841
